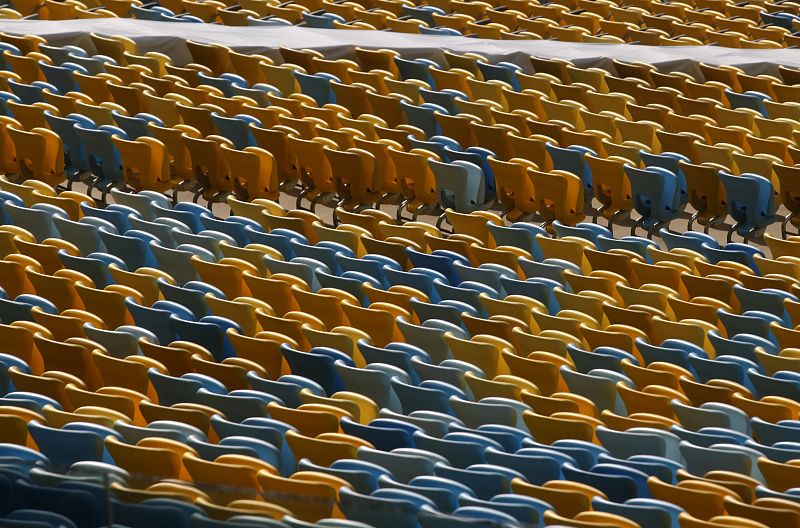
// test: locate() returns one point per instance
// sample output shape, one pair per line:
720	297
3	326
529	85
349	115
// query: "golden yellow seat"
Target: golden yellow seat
326	448
148	464
225	479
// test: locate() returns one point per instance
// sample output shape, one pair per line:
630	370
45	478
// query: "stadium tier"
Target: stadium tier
299	289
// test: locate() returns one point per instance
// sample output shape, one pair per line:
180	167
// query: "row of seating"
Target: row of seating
424	145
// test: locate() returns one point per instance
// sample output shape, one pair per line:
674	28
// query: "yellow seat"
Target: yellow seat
779	476
147	465
40	154
227	479
326	448
568	498
146	164
560	426
310	495
559	195
700	499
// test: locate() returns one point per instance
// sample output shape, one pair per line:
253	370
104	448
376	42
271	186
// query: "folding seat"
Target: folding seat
750	203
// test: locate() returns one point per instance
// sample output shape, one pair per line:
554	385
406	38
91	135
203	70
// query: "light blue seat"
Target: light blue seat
322	20
373	382
519	234
142	202
442	492
20	308
711	414
398	355
37	220
225	83
478	156
423	116
116	214
442	146
460	449
62	54
461	186
95	266
161	228
191	295
607	358
700	460
636	244
637	441
693	240
709	436
178	262
751	203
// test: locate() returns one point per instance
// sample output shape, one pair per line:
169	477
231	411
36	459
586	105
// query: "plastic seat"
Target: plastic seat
656	196
750	203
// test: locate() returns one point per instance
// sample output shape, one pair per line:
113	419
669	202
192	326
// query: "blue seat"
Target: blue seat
783	383
429	395
501	71
396	354
519	234
536	469
471	517
237	129
26	518
751	203
446	98
154	513
573	159
115	214
317	86
75	157
656	197
30	93
186	212
78	506
478	156
318	365
416	69
484	480
393	436
423	116
191	295
377	510
645	512
37	220
104	158
750	99
133	247
617	486
322	20
773	433
751	322
672	162
210	332
422	279
136	126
